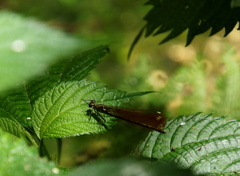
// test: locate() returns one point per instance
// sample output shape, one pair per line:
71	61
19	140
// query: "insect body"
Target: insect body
148	118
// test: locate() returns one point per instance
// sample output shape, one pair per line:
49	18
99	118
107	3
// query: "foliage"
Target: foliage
17	104
19	159
57	95
205	144
187	85
27	47
50	104
196	16
227	87
61	112
192	89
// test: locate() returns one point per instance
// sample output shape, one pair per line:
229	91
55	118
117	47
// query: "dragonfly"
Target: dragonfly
149	118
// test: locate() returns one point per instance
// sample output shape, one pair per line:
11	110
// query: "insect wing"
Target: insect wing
149	118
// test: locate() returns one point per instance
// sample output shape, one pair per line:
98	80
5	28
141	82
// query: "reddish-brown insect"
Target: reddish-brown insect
148	118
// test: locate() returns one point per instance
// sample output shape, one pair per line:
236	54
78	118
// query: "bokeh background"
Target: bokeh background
202	77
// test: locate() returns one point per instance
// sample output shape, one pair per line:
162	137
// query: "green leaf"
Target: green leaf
197	16
74	69
61	112
14	108
19	159
16	104
205	144
128	167
27	47
9	124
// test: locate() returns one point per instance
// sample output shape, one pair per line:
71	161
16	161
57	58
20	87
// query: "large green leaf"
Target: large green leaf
73	69
19	159
205	144
16	104
27	47
61	111
177	16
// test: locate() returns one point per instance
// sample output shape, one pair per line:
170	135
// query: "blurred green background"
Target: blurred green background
201	77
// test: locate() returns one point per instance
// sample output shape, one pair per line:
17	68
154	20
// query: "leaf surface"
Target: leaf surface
197	17
205	144
16	105
61	112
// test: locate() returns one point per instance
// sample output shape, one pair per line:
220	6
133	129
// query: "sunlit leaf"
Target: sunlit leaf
69	69
61	112
205	144
16	104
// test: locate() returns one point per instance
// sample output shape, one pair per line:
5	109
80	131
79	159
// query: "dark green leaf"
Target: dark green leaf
177	16
15	113
15	105
205	144
135	41
61	112
74	69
